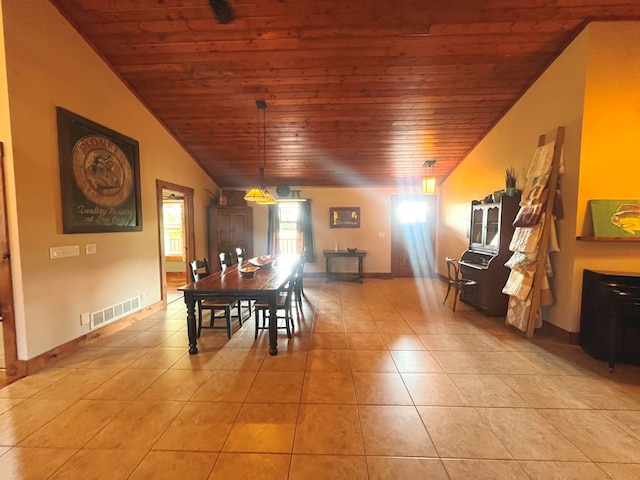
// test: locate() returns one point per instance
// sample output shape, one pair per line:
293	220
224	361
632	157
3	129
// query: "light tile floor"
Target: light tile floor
380	381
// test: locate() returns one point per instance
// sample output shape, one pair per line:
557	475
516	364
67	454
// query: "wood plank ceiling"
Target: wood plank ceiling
358	92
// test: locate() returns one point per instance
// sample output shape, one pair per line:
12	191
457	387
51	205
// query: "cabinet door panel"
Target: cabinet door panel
224	228
493	228
228	228
477	222
237	228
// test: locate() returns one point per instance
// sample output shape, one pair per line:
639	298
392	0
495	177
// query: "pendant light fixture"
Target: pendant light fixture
268	199
260	194
429	182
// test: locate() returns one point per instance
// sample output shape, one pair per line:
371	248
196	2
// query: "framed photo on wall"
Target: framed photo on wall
99	177
344	217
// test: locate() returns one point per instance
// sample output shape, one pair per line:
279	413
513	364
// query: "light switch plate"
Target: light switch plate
66	251
90	248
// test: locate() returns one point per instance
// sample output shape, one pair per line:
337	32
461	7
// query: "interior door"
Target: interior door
189	236
413	221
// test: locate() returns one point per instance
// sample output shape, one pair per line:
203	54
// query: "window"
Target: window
412	211
289	233
173	217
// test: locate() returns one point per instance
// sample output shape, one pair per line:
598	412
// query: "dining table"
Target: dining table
265	285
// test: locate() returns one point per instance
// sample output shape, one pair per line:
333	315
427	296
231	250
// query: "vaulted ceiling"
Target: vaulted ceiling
358	92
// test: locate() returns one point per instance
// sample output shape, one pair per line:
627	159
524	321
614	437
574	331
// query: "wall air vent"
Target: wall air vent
111	314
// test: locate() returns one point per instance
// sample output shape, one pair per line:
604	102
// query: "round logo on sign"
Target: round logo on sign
102	171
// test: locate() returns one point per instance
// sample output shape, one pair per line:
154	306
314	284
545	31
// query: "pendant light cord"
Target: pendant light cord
262	152
264	136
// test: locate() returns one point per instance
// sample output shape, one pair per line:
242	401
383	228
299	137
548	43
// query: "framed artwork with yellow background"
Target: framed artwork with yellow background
344	217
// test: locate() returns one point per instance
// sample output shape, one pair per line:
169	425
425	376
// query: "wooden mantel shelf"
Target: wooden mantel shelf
609	239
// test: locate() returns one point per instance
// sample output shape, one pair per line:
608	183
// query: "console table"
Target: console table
331	254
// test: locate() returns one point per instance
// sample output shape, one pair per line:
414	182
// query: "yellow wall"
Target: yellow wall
555	99
49	65
592	90
610	148
610	161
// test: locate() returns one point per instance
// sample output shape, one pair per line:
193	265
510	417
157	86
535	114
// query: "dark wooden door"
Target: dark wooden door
413	221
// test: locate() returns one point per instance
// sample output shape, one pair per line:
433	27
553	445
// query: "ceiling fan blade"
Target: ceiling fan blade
223	11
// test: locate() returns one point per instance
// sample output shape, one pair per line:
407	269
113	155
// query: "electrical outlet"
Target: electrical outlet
90	248
381	234
85	318
143	296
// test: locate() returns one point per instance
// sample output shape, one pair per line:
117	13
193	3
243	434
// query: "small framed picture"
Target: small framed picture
344	217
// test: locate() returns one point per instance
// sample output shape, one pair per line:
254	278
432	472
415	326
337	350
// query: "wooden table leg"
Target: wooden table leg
191	323
327	268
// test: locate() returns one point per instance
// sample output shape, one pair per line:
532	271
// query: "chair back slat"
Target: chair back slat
226	260
456	281
453	269
199	269
241	255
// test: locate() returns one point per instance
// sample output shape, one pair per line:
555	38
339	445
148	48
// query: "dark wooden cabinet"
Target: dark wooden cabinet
228	228
596	324
490	233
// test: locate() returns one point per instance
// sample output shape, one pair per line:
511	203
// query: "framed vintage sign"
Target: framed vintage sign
99	177
344	217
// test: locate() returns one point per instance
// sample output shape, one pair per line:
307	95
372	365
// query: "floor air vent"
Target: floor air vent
111	314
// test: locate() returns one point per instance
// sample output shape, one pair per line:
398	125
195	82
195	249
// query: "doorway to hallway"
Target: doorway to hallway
176	233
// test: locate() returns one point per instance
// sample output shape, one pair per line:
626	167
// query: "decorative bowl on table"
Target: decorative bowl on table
352	249
263	261
248	270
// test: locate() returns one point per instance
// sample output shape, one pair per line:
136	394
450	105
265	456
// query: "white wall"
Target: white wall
375	212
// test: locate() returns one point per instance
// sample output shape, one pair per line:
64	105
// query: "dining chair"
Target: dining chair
455	281
283	311
241	255
219	307
298	290
226	260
